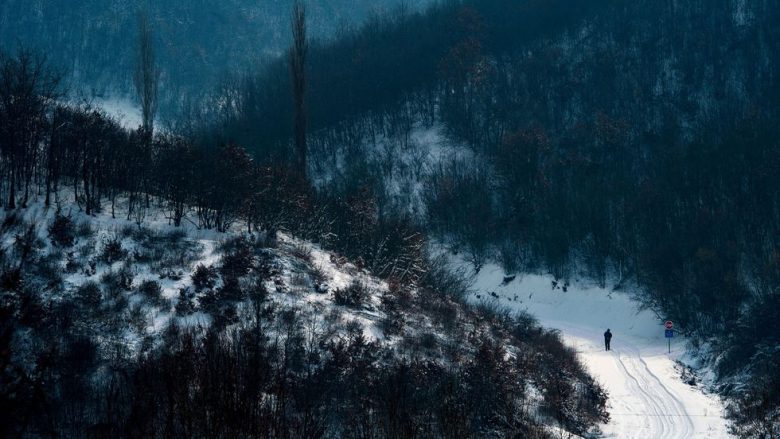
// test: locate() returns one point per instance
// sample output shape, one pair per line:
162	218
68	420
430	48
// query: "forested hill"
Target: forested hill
199	42
630	140
672	67
147	290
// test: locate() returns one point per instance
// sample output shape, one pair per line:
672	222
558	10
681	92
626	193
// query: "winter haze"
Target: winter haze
386	219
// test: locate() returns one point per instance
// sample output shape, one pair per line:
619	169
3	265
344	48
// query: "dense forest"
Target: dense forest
638	141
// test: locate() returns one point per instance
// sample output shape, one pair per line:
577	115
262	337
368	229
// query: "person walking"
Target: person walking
607	338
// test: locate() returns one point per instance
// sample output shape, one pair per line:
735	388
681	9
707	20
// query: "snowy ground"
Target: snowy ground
647	397
291	287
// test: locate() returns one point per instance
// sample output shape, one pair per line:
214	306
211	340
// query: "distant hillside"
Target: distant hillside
198	42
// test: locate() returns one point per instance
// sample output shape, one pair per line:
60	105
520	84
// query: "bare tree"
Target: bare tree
28	90
298	75
147	74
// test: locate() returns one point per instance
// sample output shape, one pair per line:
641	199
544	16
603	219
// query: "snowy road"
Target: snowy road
647	397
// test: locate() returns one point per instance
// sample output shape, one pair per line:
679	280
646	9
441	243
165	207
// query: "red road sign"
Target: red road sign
669	324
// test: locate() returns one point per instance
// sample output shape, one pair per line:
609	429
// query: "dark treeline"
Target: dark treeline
637	140
372	70
199	42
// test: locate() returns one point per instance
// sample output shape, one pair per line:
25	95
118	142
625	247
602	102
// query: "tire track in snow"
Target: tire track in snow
646	398
679	407
661	423
661	412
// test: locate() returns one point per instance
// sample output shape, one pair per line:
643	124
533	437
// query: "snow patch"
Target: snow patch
647	397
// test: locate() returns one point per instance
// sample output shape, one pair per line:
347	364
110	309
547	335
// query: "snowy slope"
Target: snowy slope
176	252
648	398
131	288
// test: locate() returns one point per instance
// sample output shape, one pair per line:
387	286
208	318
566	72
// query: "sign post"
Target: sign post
669	333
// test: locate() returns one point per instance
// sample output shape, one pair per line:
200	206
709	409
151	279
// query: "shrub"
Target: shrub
119	305
120	280
138	319
125	277
127	231
301	251
237	260
89	293
112	250
72	264
443	279
11	221
204	277
11	279
62	231
90	268
170	273
354	296
443	312
175	236
151	290
84	230
265	239
492	310
427	340
354	329
392	324
209	302
27	245
48	270
231	290
185	306
299	280
225	316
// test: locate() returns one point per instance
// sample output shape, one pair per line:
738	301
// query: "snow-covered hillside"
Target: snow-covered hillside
130	299
402	163
652	394
157	264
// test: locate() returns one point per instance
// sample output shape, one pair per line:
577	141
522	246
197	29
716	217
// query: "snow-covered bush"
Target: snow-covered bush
204	277
112	250
118	280
62	231
89	294
354	295
237	258
151	290
85	230
47	269
184	304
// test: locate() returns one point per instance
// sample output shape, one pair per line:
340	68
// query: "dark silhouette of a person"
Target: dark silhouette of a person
607	338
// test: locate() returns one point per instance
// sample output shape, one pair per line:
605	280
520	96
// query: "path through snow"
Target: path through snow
647	397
